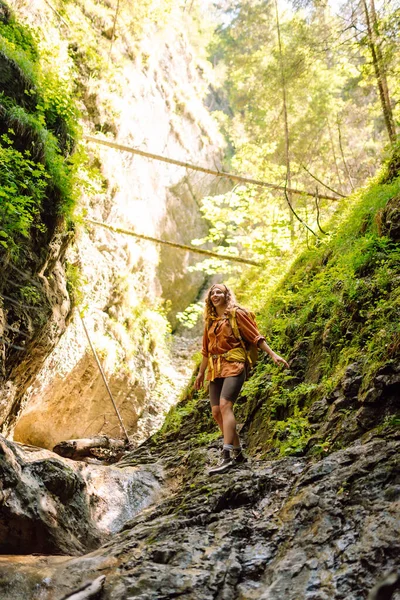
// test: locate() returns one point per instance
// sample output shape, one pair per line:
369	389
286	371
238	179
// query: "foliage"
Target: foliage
338	305
38	120
23	188
176	414
30	294
292	435
335	124
190	316
75	284
20	37
93	30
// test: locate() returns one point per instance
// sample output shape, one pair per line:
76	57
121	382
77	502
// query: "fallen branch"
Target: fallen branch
180	163
322	183
317	207
88	591
295	213
76	449
173	244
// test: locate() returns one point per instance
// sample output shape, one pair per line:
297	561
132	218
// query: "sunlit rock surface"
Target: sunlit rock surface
150	95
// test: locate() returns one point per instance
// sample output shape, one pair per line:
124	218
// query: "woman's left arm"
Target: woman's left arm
249	331
275	357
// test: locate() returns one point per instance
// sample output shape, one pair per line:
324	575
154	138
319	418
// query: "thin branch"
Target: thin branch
19	303
186	165
57	13
297	216
322	183
174	245
113	30
334	154
15	330
285	122
104	380
317	207
25	276
343	158
4	341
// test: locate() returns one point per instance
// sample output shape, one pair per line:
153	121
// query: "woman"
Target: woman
225	357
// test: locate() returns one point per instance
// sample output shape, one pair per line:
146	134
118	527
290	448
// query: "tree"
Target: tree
301	107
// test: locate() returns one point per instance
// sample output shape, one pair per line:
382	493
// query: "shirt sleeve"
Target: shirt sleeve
204	349
248	328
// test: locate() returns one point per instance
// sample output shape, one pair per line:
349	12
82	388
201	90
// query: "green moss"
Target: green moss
19	36
176	414
74	284
339	304
205	438
38	176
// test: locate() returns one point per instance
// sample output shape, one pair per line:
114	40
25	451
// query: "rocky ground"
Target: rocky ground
293	529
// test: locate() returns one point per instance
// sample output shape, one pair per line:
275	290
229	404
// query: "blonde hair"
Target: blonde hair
209	310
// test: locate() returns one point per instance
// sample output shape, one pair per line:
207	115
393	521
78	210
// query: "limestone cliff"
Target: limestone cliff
144	89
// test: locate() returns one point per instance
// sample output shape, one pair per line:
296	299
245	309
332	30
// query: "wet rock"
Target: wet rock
385	589
291	528
318	410
351	385
391	219
43	508
58	478
53	505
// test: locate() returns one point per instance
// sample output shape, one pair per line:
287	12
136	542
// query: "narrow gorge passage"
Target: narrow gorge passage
133	132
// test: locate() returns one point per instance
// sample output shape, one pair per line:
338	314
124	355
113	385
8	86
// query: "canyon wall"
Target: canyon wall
146	92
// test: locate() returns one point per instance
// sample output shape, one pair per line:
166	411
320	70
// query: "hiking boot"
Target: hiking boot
225	464
238	456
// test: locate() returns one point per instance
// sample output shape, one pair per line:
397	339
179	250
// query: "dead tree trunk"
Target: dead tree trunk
76	449
89	591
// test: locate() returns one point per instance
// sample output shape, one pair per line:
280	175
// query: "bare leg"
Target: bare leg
229	423
216	413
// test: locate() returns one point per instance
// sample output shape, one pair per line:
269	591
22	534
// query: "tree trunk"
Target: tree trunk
286	122
377	60
76	449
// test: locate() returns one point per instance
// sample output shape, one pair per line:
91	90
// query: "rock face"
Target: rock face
292	528
34	302
52	505
150	95
30	328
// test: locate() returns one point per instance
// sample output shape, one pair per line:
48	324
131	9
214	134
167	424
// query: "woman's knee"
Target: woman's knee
226	406
216	412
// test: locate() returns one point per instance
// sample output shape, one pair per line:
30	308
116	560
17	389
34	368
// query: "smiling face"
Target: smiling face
219	300
218	296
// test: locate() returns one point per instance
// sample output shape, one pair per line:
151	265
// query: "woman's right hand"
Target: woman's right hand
199	381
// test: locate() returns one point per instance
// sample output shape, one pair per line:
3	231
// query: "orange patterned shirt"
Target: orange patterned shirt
218	338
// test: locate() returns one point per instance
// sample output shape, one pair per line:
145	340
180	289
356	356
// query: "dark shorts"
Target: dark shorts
226	387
